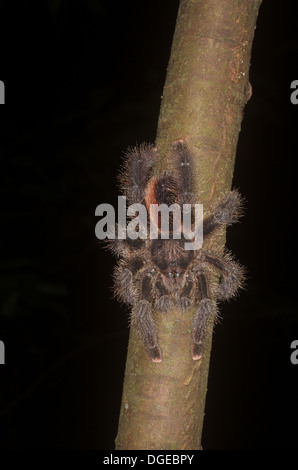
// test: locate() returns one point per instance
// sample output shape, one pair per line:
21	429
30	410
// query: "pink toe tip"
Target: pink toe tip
197	357
156	359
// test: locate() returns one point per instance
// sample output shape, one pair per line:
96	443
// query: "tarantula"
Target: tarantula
161	273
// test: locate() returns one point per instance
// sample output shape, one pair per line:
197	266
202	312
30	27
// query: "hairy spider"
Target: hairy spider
161	273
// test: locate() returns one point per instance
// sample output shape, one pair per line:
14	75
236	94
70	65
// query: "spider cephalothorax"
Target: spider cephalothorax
160	273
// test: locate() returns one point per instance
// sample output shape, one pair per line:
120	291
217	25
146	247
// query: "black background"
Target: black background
83	81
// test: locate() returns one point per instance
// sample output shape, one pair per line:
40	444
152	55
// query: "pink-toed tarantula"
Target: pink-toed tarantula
161	273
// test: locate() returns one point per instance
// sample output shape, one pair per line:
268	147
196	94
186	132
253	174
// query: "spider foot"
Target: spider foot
178	142
164	303
197	351
143	321
184	303
200	326
155	354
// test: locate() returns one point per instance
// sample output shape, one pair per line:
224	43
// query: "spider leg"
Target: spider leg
226	212
232	275
163	301
136	172
142	319
200	322
122	247
123	279
184	301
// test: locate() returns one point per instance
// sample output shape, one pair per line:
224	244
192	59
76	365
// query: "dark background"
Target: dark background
83	81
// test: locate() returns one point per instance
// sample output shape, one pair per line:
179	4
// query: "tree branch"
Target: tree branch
204	95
